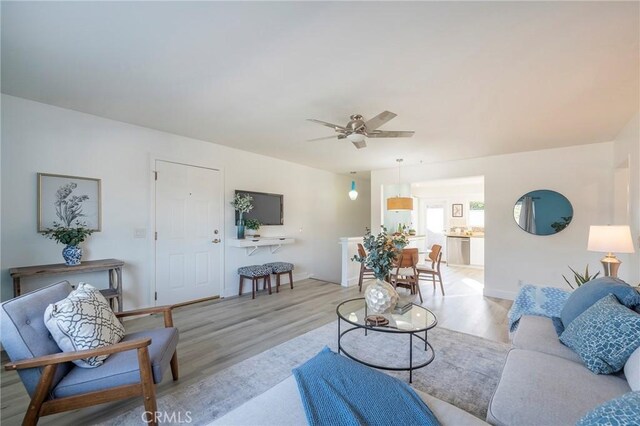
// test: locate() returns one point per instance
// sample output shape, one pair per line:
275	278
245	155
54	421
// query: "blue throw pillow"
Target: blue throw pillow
604	336
621	411
589	293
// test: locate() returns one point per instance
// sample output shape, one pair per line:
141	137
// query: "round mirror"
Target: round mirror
543	212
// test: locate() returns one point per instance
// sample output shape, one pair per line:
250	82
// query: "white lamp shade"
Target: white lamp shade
610	239
356	137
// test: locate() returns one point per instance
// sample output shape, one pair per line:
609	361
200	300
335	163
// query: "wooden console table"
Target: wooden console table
114	267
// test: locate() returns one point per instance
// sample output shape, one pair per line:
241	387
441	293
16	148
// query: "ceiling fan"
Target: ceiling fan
358	129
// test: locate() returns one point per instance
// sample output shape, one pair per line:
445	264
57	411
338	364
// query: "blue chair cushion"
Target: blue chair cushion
604	336
621	411
589	293
279	267
24	334
122	368
254	271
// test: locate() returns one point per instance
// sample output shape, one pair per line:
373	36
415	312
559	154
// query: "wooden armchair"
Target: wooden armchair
55	384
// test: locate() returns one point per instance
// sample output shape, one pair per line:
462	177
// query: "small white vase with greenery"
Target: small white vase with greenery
253	226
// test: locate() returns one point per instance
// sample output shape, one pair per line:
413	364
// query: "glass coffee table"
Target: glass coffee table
415	322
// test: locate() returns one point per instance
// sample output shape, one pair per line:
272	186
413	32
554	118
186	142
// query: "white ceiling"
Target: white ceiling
472	79
476	182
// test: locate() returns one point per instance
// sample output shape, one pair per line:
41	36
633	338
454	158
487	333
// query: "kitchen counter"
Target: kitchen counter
464	236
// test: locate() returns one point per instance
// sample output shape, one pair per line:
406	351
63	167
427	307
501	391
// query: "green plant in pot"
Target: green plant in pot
252	225
382	250
581	278
71	237
242	204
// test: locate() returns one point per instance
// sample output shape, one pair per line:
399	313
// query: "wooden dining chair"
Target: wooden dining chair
426	272
364	271
406	273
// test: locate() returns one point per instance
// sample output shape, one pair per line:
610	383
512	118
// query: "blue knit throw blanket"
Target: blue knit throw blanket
540	301
338	391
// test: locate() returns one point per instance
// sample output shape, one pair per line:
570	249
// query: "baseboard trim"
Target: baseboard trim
499	294
191	302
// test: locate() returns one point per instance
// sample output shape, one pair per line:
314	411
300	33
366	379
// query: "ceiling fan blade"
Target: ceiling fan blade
379	120
391	134
360	145
322	138
324	123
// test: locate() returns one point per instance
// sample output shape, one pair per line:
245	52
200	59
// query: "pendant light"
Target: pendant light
353	194
398	202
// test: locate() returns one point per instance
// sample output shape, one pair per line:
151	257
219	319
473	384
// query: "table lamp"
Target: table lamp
609	239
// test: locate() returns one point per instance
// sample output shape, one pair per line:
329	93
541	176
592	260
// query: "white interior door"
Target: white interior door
189	233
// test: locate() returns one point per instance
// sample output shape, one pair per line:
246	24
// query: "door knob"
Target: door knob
216	241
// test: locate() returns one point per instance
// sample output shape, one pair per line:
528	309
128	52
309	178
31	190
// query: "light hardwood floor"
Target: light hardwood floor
219	333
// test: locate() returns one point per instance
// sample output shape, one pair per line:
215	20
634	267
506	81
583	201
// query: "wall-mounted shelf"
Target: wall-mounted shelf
253	244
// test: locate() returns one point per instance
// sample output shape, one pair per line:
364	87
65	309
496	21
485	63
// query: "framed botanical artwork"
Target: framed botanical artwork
69	201
456	210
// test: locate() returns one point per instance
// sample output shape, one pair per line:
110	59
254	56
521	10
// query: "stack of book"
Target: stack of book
402	307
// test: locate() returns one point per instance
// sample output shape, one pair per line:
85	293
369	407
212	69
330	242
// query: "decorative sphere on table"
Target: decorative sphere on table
381	297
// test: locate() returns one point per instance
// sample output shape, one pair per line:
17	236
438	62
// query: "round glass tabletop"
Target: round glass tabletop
415	319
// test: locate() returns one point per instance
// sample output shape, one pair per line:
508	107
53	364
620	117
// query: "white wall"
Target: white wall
41	138
627	148
449	195
584	174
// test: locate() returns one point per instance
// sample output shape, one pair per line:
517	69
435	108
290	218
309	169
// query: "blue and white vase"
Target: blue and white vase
72	255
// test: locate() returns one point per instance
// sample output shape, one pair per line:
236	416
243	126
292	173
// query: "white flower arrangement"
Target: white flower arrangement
242	203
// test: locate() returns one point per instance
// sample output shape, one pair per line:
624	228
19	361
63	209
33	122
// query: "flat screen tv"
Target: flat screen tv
267	208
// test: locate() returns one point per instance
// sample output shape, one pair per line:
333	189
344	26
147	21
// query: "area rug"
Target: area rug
465	371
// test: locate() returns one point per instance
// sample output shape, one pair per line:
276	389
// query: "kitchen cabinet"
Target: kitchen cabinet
458	251
477	251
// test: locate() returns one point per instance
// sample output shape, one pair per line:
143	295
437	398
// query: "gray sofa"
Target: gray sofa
281	406
544	383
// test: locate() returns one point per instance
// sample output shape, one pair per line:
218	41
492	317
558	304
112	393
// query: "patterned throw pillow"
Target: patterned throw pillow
621	411
83	320
604	336
589	293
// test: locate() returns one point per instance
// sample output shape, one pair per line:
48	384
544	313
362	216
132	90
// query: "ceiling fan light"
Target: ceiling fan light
355	137
400	203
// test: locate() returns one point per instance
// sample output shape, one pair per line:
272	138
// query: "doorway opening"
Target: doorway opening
451	213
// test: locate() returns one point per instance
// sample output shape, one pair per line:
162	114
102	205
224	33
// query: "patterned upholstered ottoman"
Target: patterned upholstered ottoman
255	273
280	268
